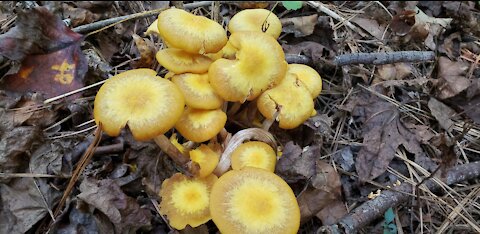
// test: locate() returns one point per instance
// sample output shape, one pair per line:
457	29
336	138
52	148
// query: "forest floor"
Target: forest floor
394	146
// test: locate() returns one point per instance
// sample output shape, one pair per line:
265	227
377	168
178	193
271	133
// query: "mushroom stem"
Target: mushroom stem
267	123
257	134
180	159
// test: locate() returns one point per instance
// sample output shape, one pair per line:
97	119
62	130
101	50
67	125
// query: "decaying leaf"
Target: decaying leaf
314	50
451	78
146	49
300	26
442	113
383	132
122	210
296	164
325	189
55	63
371	26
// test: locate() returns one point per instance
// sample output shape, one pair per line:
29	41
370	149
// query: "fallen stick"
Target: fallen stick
384	58
295	58
373	209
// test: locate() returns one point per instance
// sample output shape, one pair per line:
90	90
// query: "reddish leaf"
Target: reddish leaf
55	63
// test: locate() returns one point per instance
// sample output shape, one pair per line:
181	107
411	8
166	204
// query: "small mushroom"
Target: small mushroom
308	76
185	201
259	20
260	64
148	104
291	111
194	34
199	125
197	91
253	200
254	154
206	158
179	61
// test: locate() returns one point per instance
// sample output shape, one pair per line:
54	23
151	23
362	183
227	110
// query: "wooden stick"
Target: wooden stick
384	58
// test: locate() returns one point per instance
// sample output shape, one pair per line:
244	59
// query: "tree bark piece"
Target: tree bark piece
384	58
373	209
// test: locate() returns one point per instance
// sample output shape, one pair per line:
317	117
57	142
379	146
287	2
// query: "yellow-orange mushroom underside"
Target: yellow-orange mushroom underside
179	61
189	32
260	64
201	125
256	20
253	200
148	104
197	91
185	201
254	154
206	158
295	108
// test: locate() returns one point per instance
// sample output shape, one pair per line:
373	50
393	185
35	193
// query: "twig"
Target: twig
110	22
384	58
334	15
301	59
375	208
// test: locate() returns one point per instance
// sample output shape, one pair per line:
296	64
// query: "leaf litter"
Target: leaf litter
351	147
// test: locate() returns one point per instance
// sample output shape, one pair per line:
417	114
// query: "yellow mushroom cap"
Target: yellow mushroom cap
228	52
253	200
253	19
206	158
293	100
308	76
153	28
254	154
179	61
260	64
197	91
186	200
201	125
189	32
148	104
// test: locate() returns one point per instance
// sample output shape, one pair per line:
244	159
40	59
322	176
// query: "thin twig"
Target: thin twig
384	58
373	209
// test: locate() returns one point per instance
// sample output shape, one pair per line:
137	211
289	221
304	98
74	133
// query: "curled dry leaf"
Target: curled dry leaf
451	78
122	210
146	49
299	26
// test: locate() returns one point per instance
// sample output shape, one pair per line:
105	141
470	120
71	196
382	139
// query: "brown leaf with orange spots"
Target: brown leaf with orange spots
52	65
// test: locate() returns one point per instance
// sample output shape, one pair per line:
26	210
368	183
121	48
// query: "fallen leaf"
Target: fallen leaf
146	49
297	163
403	22
344	158
21	206
55	63
471	109
122	210
332	213
451	78
383	132
299	26
442	113
314	50
371	26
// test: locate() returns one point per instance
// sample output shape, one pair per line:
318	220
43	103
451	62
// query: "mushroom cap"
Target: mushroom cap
186	200
253	200
260	64
179	61
253	20
189	32
308	76
153	28
254	154
206	158
148	104
295	108
199	125
228	52
197	91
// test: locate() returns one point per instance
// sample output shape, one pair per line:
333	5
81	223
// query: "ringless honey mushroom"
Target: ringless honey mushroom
256	20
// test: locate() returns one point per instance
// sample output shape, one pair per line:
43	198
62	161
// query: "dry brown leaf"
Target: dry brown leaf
451	78
371	26
146	49
442	113
332	213
299	26
297	164
383	132
122	210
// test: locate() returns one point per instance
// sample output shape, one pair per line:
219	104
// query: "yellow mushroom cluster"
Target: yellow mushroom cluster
206	70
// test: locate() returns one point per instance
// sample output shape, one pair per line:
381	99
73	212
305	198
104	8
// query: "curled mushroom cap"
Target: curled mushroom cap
253	20
197	91
294	108
199	125
206	158
254	154
260	64
179	61
253	200
308	76
148	104
186	200
194	34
